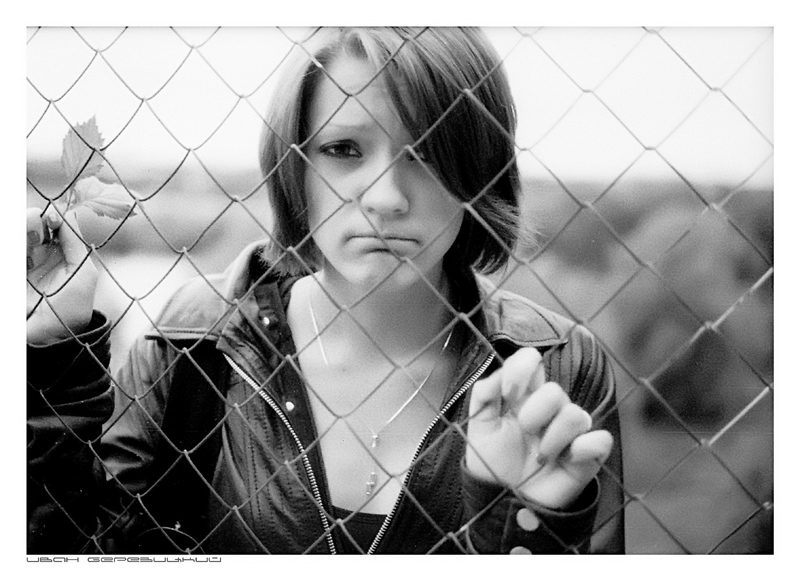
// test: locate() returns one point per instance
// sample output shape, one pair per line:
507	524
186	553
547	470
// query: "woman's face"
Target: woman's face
372	204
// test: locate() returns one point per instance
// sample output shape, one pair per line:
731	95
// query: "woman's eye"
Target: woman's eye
343	150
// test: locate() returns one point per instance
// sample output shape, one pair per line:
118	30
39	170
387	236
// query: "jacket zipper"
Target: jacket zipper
306	463
467	384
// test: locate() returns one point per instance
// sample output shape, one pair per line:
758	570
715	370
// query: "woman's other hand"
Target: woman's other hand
61	278
525	433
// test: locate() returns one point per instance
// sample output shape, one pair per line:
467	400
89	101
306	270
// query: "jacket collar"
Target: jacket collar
250	295
511	318
501	316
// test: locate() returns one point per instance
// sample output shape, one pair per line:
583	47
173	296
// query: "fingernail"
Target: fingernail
53	220
33	238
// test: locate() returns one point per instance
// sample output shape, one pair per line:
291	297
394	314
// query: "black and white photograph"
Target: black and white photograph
398	290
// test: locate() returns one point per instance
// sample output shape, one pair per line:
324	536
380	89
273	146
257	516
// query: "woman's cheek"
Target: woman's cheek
323	201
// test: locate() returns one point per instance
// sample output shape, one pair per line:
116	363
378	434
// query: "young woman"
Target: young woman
352	384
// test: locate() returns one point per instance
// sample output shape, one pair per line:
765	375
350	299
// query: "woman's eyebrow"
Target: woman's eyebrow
338	125
340	129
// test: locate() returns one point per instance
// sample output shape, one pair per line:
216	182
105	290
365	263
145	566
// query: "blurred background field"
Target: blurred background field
651	196
692	495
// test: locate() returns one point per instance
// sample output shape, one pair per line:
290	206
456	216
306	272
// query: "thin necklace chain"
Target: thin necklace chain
373	475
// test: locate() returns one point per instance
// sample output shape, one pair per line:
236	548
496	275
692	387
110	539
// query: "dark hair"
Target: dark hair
451	93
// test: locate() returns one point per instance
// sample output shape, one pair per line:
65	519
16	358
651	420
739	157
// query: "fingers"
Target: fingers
61	279
36	233
40	231
549	415
485	400
35	227
69	236
570	422
591	447
521	373
541	407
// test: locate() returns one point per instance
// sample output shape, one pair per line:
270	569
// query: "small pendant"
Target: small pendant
373	479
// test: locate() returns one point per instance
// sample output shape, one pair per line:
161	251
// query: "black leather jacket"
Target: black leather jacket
97	483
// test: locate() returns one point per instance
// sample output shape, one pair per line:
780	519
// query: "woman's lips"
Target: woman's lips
383	242
386	237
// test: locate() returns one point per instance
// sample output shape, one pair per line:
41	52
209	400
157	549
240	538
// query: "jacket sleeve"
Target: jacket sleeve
82	490
132	441
69	398
500	521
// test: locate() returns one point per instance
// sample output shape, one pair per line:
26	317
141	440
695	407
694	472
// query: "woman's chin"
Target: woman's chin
383	272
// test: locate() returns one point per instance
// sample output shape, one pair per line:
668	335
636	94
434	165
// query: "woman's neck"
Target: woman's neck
400	322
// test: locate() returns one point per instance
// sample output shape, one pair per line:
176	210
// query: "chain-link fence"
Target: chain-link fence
646	163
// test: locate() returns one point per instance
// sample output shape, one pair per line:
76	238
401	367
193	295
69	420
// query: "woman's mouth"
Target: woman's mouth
394	243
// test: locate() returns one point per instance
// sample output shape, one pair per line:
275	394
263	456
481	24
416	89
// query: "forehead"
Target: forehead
350	93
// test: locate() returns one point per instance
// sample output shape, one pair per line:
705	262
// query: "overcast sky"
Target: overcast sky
591	101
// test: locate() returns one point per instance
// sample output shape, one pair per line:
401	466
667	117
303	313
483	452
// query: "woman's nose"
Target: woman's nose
387	194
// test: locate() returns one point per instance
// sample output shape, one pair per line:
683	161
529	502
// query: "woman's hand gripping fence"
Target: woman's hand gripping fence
525	433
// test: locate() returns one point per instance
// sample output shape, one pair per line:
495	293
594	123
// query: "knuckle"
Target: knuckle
606	440
532	356
32	215
527	357
577	416
552	389
554	393
34	229
532	352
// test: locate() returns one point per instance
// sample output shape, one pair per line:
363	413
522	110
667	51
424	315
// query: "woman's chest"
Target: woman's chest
287	461
370	428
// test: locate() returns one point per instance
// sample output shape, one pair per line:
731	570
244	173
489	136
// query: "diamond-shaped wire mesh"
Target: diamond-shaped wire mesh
646	163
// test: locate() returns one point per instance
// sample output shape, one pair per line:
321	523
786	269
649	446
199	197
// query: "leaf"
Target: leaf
79	153
111	200
81	160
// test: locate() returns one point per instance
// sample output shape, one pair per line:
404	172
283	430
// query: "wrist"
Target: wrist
578	502
557	499
39	335
501	520
78	359
42	338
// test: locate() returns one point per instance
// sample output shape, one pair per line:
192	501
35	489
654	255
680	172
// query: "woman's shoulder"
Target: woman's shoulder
204	302
197	304
579	362
520	319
